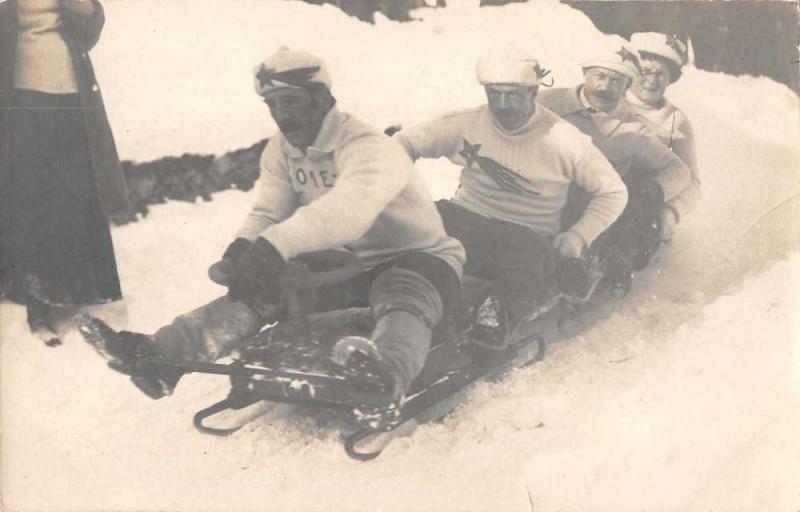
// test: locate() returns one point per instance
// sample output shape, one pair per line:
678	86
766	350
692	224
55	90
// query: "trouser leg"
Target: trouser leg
406	307
518	261
521	283
209	332
634	235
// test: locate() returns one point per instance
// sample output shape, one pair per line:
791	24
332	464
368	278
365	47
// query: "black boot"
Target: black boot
489	331
39	322
373	383
124	352
618	273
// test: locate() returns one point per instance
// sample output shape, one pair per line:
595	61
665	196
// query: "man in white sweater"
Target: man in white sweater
518	160
327	181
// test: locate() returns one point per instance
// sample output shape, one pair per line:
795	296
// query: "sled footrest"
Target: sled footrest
231	402
352	440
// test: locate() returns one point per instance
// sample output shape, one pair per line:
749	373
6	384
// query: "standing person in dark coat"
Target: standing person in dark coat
60	175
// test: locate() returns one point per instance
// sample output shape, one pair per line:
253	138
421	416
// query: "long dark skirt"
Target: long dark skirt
55	236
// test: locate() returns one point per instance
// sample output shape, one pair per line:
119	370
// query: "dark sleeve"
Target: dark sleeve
8	38
84	31
5	13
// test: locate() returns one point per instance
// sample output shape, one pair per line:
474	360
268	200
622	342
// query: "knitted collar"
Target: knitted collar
525	129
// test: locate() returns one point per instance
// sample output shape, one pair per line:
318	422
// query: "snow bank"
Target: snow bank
177	75
686	398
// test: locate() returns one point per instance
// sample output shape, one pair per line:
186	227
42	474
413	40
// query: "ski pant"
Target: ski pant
519	262
634	235
632	239
408	295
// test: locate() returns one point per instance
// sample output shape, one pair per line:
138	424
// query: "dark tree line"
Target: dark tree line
754	37
398	10
737	37
187	178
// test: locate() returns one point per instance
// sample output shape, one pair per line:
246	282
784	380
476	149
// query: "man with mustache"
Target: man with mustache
653	173
327	181
518	160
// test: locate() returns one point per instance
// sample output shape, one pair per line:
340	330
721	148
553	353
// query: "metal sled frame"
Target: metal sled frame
449	368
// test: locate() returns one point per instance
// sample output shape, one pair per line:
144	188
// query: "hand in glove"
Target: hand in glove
568	244
236	249
254	279
667	220
220	271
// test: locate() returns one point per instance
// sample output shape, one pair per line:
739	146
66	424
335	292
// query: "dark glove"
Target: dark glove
573	276
651	196
220	271
391	130
254	279
236	249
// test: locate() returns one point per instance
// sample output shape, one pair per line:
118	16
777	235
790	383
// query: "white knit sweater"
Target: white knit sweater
522	176
354	188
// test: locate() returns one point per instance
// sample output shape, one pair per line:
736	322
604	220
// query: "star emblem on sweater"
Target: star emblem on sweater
298	77
502	175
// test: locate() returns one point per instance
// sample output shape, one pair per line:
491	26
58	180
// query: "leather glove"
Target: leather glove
569	244
667	220
254	278
220	271
236	249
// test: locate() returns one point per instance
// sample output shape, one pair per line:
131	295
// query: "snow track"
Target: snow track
686	398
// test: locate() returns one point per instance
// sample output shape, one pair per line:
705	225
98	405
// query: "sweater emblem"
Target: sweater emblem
505	178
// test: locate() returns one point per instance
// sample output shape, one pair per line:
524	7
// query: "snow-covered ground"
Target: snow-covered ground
686	398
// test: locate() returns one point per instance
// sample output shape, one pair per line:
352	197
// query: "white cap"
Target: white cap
290	68
509	67
663	45
622	61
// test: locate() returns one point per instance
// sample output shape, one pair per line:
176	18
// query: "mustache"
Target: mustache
288	125
606	95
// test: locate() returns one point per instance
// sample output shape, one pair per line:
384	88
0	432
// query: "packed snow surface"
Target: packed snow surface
686	397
